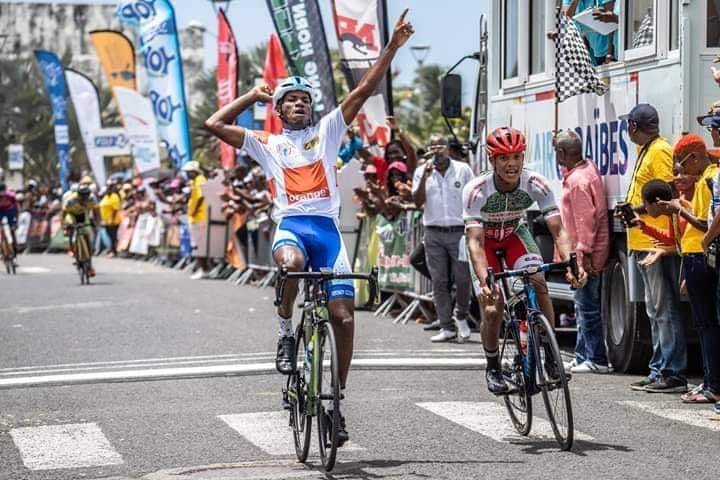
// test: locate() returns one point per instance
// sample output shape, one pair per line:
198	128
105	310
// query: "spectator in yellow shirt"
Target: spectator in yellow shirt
197	216
701	280
110	207
660	278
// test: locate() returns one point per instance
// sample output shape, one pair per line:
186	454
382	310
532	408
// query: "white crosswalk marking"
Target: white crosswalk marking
695	418
491	420
64	446
269	431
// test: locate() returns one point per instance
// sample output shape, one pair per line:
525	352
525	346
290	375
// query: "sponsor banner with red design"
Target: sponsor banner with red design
227	78
360	28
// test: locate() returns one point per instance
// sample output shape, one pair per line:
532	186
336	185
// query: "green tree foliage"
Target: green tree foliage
417	107
26	118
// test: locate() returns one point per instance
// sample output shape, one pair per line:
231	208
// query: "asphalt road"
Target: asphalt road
147	374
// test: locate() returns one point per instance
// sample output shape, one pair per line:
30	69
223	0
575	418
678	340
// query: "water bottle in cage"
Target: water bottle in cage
523	336
307	364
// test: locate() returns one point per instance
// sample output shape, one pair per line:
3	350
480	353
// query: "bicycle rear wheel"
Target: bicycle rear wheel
553	381
519	401
328	404
300	421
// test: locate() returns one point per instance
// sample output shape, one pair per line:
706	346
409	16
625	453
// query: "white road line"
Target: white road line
66	306
64	446
368	362
491	420
269	431
226	356
147	374
692	417
116	367
33	270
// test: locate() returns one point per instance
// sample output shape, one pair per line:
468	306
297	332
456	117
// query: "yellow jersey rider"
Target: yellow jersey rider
78	211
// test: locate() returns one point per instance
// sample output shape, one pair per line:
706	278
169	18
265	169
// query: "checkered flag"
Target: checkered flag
575	73
646	33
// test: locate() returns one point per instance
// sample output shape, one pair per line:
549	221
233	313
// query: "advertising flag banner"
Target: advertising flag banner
140	127
16	157
361	31
299	25
117	57
160	48
54	77
227	78
394	270
274	72
84	96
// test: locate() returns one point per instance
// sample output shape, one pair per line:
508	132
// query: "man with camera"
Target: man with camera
437	187
660	278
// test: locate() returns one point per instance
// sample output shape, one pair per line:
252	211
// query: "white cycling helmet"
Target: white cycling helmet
292	84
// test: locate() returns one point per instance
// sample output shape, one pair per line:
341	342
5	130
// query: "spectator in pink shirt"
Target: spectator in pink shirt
585	216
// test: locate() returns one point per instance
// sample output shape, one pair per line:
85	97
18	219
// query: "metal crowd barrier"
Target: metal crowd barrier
259	255
411	300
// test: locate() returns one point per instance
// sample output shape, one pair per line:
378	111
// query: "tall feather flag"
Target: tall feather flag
274	72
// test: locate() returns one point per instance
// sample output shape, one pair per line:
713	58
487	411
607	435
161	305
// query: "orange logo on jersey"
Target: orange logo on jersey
308	182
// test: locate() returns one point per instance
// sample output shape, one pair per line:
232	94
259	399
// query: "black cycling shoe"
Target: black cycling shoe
342	435
496	382
285	359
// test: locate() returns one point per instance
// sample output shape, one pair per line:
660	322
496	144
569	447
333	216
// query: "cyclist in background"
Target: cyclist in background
495	208
300	165
8	211
78	212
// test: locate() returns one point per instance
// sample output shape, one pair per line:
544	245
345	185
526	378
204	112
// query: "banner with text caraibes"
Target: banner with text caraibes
54	77
360	26
160	48
227	78
299	25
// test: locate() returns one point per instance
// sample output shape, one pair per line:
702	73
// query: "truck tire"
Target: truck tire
626	328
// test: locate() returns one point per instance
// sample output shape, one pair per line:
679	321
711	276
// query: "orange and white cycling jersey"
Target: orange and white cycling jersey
301	166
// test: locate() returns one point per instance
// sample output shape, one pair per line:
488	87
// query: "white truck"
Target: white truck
669	68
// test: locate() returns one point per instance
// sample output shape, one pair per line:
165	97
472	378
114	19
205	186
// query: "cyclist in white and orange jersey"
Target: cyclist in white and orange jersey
300	166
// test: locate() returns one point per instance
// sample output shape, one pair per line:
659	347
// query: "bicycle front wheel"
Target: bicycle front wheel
553	381
300	421
328	404
519	401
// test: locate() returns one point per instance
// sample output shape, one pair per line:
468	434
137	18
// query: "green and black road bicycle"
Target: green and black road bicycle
313	389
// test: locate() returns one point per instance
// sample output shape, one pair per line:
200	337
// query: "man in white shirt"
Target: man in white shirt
438	186
300	165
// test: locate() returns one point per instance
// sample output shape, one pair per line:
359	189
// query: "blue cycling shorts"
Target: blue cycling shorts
11	215
319	239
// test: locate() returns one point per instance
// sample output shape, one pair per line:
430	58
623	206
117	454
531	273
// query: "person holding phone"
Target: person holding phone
437	187
662	296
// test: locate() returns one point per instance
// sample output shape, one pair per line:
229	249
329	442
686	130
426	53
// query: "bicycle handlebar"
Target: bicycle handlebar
324	276
523	272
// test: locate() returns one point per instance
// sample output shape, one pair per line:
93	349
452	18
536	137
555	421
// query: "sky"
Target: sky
449	27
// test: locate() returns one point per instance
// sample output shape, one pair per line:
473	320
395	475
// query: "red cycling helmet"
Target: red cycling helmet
504	141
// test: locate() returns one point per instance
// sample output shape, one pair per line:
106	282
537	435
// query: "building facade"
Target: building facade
64	29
